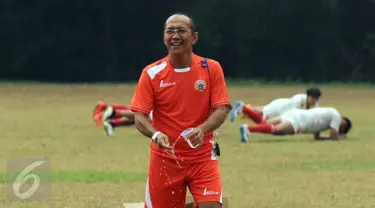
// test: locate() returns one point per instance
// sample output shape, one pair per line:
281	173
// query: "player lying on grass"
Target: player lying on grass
303	121
260	114
111	116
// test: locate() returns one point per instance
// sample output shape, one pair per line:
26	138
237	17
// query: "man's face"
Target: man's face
178	35
342	126
311	100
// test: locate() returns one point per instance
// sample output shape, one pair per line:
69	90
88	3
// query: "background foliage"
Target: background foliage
81	40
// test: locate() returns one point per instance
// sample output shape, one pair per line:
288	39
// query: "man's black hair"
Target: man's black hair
348	124
314	92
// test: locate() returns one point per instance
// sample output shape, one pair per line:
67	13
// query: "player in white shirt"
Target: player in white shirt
303	121
278	106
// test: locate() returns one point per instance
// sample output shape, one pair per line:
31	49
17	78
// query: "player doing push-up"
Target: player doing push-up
278	106
304	121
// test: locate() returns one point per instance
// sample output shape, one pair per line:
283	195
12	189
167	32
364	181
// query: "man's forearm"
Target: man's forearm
333	135
216	119
144	125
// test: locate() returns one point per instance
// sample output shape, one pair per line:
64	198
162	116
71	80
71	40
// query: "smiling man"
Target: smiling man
183	90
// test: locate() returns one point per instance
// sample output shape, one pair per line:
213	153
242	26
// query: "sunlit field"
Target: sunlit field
91	170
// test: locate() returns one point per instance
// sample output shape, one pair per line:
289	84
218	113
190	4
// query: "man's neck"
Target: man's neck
181	61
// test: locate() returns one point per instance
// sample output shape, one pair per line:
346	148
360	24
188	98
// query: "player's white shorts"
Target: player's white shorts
297	119
276	108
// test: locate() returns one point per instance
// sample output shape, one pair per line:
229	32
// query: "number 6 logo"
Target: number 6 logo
23	177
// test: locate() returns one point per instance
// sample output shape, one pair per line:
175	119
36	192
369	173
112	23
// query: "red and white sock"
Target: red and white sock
262	128
252	114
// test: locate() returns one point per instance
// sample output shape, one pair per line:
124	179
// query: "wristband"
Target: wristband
154	137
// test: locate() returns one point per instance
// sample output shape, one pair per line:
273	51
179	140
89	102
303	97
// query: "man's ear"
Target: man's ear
195	37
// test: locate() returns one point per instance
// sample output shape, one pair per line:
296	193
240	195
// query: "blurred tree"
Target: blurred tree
91	40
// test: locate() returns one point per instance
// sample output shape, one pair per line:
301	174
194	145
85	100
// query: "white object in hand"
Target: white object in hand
187	139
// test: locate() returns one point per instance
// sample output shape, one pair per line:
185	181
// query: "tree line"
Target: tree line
92	40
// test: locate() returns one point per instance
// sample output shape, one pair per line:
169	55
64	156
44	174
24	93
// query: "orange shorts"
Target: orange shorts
167	182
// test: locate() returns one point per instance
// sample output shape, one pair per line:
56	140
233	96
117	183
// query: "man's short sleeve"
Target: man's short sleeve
219	92
335	120
143	97
299	101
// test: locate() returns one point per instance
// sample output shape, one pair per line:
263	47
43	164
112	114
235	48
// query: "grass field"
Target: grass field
91	170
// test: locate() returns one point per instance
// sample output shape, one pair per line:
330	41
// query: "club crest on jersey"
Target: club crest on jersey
200	85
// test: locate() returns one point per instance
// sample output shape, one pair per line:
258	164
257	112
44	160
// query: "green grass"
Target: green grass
357	164
230	82
91	170
84	176
350	164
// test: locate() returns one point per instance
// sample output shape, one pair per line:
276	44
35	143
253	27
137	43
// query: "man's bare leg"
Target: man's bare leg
274	121
114	118
125	113
274	126
111	124
122	121
101	106
111	113
283	128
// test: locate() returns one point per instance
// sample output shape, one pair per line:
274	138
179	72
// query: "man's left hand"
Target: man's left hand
196	136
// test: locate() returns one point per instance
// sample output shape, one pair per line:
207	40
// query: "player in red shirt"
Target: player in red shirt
111	116
183	90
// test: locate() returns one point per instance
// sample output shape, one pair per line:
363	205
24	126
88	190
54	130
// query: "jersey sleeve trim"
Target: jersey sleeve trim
220	103
156	69
135	108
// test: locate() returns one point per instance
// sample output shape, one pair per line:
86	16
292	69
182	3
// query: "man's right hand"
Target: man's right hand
162	141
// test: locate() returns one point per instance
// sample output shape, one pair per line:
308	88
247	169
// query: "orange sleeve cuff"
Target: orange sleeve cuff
220	103
140	109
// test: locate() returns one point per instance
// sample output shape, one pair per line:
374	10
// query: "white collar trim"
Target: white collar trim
182	70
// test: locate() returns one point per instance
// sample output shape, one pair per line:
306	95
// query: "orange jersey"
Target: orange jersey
180	99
